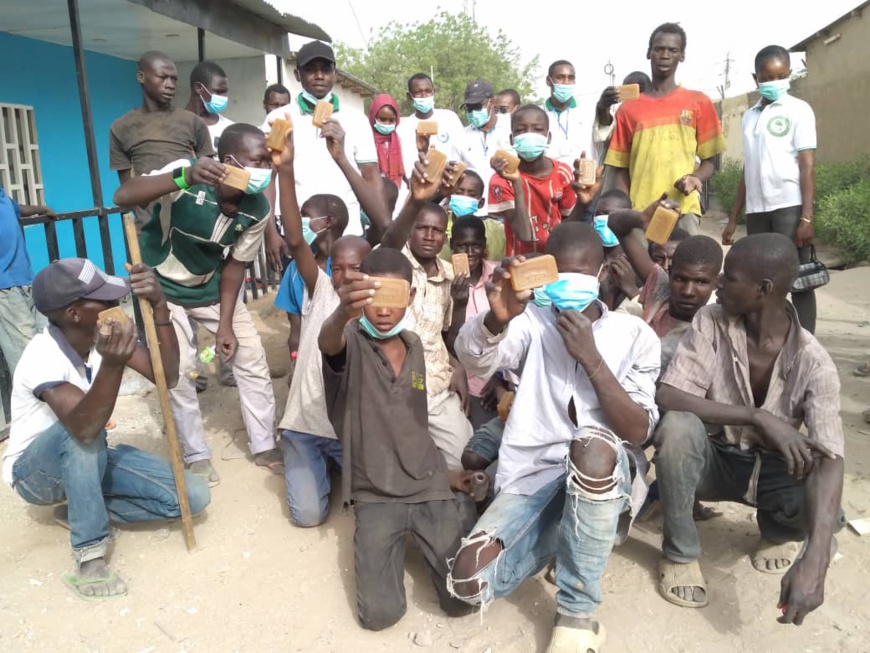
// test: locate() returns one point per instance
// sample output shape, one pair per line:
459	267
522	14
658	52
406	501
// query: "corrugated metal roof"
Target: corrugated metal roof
267	10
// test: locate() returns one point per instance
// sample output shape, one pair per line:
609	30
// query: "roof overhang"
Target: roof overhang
826	30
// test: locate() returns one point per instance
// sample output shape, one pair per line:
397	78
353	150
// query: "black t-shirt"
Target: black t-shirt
383	423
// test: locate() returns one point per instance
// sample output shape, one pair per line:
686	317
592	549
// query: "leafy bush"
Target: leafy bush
724	184
843	219
834	177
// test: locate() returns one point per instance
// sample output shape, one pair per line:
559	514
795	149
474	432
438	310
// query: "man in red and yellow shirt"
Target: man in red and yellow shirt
659	135
535	198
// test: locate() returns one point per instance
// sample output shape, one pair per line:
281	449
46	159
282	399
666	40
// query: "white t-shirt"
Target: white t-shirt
305	410
773	134
217	129
47	362
571	133
479	147
449	139
315	169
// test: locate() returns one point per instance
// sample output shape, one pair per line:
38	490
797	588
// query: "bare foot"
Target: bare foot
205	469
700	512
273	459
94	580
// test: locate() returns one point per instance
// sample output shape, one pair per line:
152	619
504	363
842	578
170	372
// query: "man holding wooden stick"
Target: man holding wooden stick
63	394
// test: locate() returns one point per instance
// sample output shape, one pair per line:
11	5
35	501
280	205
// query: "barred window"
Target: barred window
20	169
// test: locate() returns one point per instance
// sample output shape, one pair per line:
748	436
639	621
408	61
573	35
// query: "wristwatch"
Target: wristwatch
178	178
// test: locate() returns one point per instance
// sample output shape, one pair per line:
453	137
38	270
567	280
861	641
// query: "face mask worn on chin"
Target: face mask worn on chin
386	130
530	146
477	118
308	234
372	330
608	238
216	104
563	92
313	100
462	205
573	291
424	104
774	90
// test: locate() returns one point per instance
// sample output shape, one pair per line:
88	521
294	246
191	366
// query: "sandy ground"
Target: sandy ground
256	583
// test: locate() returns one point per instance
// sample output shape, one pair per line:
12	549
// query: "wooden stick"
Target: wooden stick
162	391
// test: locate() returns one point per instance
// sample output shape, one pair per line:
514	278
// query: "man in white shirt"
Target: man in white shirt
63	394
209	90
570	129
449	139
584	407
317	171
486	133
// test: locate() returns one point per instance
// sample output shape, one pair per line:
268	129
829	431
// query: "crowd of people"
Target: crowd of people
507	431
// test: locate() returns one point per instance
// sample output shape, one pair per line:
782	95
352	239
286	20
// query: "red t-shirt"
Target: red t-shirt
548	199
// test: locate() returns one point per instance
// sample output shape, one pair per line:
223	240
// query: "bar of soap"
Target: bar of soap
393	293
456	173
513	162
534	273
237	178
322	113
437	161
277	137
460	264
117	314
662	225
586	170
427	128
628	92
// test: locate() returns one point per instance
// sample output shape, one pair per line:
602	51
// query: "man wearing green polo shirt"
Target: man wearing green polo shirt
195	218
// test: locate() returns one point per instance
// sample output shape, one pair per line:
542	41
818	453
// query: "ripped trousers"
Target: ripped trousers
562	520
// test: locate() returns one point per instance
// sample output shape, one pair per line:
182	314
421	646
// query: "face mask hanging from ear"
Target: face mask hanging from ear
608	238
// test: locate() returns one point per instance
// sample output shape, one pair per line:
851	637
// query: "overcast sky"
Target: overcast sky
615	30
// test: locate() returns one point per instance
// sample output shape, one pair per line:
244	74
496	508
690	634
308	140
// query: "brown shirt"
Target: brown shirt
712	361
383	423
148	141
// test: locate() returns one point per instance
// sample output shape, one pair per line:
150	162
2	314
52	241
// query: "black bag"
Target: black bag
811	275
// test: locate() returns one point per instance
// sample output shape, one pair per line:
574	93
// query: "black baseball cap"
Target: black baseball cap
314	50
71	279
478	92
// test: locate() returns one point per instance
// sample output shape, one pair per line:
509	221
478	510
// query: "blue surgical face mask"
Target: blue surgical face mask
424	104
260	177
462	205
563	92
573	291
477	118
608	238
313	100
308	234
530	146
216	104
774	90
541	298
386	130
372	330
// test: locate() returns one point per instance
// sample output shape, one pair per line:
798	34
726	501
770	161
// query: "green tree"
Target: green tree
451	48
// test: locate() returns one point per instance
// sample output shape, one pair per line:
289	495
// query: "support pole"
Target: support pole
162	391
200	43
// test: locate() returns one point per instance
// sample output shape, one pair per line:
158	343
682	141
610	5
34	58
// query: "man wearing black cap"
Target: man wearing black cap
487	131
63	394
339	158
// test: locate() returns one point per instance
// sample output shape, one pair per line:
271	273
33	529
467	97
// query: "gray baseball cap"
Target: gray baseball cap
71	279
477	92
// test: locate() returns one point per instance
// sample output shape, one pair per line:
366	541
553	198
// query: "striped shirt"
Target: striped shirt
712	361
430	315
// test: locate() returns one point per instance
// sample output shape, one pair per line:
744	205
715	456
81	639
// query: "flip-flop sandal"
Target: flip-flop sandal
570	640
675	574
769	551
75	584
273	460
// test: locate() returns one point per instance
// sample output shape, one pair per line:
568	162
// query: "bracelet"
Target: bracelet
806	219
162	324
600	361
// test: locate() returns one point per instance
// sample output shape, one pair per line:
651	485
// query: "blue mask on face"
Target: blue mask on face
308	234
386	130
216	104
461	205
541	298
372	330
260	178
424	104
530	146
477	118
573	291
563	92
774	90
608	238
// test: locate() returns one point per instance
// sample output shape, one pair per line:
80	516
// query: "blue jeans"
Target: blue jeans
122	483
307	475
562	520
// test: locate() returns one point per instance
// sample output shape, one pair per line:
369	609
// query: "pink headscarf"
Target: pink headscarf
389	147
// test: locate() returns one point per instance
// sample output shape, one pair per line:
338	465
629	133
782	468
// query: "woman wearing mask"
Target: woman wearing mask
384	118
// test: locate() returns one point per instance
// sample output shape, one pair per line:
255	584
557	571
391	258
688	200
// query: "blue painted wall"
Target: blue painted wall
43	75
